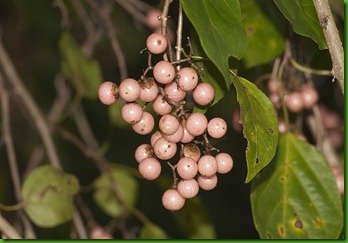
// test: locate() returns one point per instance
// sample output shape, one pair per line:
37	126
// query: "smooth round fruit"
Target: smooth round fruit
236	121
187	137
152	18
224	163
108	93
294	101
217	127
161	106
188	78
129	89
98	232
132	112
188	188
172	200
203	94
173	92
145	125
150	168
192	151
156	43
207	182
272	86
275	99
196	123
309	96
164	72
168	124
176	136
154	137
207	165
164	149
187	168
148	90
143	151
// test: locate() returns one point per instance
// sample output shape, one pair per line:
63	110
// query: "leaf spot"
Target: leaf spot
269	236
281	230
319	222
298	224
271	130
257	160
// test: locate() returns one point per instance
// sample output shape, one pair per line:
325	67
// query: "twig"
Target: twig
64	11
8	229
179	35
333	40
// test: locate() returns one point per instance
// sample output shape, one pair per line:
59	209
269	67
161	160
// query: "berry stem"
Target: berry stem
175	178
309	70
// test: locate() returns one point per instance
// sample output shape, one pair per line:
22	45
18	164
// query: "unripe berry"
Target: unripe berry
217	127
164	149
294	102
192	151
164	72
224	163
207	182
145	125
156	43
108	93
129	90
196	123
188	188
161	106
187	168
203	94
207	165
168	124
173	92
132	112
188	78
143	151
309	96
149	90
172	200
150	168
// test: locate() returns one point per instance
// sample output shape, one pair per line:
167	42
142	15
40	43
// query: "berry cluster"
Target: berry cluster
181	133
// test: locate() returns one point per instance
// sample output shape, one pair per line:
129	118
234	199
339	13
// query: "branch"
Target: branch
332	38
8	229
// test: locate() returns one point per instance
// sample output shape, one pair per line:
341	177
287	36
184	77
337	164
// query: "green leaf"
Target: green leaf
210	73
220	30
83	72
195	220
49	194
152	231
260	125
265	41
121	181
303	18
296	196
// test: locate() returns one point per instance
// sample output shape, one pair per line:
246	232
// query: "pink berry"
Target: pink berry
172	200
161	106
176	136
132	112
150	168
143	151
224	163
145	125
164	72
154	137
217	127
129	89
187	137
196	123
108	93
173	92
187	168
203	94
309	96
207	165
164	149
188	78
294	101
207	182
152	18
99	233
236	121
192	151
272	86
275	99
168	124
149	90
156	43
188	188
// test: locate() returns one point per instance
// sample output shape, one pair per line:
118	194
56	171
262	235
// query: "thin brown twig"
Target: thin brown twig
65	22
8	229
